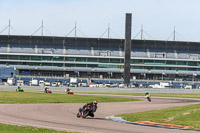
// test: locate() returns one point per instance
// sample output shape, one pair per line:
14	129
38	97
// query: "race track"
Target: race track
62	116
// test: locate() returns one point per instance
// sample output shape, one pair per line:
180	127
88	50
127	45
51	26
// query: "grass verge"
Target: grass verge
178	95
26	97
5	128
186	116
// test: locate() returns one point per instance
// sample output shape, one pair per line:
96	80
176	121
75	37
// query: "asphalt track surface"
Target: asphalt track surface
62	116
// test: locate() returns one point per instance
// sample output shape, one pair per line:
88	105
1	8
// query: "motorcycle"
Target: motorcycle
148	96
47	90
19	89
69	92
84	112
149	99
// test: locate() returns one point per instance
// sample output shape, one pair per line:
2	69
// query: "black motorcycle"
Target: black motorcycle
149	99
84	112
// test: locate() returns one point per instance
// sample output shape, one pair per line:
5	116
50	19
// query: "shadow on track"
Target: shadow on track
96	118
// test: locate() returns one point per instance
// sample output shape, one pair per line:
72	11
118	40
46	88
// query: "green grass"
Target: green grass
4	128
27	97
179	95
186	115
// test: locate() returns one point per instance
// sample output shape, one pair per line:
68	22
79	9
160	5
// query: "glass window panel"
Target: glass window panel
58	64
181	62
47	58
70	65
80	65
191	63
137	62
114	60
70	59
57	58
35	57
92	60
159	62
79	59
170	62
103	60
3	56
13	57
137	67
23	57
149	62
92	65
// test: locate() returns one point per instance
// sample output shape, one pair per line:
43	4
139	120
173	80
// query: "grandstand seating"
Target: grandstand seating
139	52
3	47
21	48
144	50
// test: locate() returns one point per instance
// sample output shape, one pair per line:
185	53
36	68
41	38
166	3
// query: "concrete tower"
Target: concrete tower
127	49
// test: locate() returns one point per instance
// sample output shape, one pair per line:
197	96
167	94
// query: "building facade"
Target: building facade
99	58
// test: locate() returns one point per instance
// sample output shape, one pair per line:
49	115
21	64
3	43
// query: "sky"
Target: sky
158	18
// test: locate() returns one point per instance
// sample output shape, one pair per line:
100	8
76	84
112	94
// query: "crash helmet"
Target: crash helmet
95	102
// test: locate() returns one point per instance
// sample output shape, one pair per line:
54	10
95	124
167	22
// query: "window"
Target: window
181	62
57	58
13	57
192	63
170	63
79	59
46	58
159	62
137	61
92	59
70	59
23	57
103	60
35	57
3	56
114	60
149	62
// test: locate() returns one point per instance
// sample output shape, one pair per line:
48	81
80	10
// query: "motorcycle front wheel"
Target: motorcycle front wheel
78	115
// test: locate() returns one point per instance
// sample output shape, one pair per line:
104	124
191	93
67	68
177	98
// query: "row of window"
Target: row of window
58	58
97	60
97	66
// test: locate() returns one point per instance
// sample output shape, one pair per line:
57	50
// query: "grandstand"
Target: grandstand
45	56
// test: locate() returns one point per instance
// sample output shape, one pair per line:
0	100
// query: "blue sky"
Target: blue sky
158	17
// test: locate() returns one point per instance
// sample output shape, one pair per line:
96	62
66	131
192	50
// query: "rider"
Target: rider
147	94
18	87
67	90
46	89
93	107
